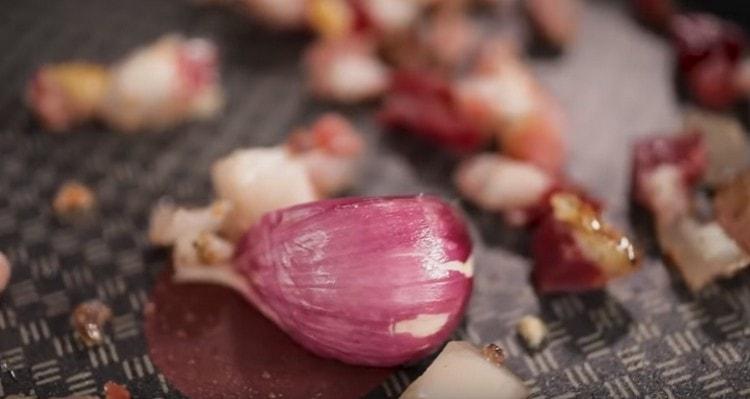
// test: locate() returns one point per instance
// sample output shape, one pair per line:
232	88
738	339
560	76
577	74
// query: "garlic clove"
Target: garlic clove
370	281
462	371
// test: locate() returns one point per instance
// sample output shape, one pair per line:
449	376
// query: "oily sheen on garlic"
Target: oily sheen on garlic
370	281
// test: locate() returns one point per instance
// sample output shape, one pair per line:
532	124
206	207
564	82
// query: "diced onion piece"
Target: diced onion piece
259	180
462	371
497	183
168	222
726	144
162	84
701	252
345	69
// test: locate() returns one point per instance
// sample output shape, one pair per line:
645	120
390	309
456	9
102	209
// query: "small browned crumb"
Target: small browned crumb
88	320
4	272
114	390
73	198
533	331
494	354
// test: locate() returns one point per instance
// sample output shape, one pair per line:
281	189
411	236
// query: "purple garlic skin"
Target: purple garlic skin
368	281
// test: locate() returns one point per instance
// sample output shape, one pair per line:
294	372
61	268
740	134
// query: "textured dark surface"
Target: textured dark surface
644	337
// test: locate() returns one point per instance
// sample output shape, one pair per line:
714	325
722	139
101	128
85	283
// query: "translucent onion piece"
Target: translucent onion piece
732	209
167	82
497	183
370	281
726	143
345	70
701	252
259	180
462	371
168	222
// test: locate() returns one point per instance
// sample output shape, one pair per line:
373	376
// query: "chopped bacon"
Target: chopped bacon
575	251
665	168
424	104
708	50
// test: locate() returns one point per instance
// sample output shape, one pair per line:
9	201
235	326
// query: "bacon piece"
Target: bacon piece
424	104
575	250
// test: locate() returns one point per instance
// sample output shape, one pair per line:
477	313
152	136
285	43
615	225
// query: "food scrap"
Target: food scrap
88	321
463	371
73	199
533	331
154	87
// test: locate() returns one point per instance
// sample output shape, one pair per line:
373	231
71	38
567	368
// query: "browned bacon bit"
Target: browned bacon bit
425	105
494	354
575	250
73	199
114	390
88	320
732	208
708	51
